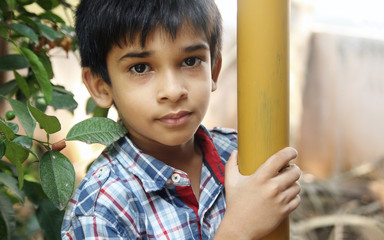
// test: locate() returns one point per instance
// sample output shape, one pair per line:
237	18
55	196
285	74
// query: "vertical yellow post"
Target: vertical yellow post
263	85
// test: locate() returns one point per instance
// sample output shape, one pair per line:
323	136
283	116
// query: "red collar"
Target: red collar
211	155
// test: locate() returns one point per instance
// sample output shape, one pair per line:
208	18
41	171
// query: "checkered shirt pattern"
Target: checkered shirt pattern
128	194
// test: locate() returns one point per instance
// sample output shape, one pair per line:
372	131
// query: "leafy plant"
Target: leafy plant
31	170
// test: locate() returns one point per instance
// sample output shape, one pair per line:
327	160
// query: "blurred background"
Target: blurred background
337	112
337	84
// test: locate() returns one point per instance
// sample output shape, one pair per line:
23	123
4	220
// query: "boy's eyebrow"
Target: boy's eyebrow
148	53
196	47
136	55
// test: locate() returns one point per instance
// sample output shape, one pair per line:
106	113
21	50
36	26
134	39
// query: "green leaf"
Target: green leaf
63	100
7	88
13	126
49	32
27	143
91	106
25	31
48	4
6	131
68	30
27	20
51	17
24	141
34	192
7	215
7	13
17	155
25	118
100	112
61	89
2	148
57	177
11	183
49	123
46	62
40	73
96	130
26	2
50	219
33	226
3	5
22	83
6	166
3	229
13	62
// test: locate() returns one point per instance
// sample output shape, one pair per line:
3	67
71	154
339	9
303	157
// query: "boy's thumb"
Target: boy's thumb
232	167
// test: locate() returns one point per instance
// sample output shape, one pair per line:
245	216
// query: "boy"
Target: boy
157	61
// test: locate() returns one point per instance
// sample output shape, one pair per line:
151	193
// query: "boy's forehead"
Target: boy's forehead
185	31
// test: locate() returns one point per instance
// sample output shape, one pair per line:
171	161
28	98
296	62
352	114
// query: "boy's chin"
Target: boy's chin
176	141
163	137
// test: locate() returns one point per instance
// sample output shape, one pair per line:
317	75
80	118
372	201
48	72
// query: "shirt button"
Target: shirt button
176	178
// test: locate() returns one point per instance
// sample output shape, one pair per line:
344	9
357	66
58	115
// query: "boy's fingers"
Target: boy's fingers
293	188
293	204
290	175
279	161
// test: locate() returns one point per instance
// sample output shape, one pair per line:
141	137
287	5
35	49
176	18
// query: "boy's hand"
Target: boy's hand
256	204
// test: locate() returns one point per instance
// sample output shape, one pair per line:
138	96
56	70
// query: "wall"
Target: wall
343	104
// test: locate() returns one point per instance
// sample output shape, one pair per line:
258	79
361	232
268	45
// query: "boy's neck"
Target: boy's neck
181	157
187	157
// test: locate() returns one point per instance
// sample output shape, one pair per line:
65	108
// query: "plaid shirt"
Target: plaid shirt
130	195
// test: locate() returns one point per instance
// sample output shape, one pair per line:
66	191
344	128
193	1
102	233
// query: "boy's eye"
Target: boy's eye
191	61
140	68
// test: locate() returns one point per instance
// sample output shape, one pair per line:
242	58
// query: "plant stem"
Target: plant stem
44	144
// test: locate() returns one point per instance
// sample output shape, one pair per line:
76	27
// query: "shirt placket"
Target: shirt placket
210	193
182	184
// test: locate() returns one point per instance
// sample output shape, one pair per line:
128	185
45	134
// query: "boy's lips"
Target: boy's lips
175	119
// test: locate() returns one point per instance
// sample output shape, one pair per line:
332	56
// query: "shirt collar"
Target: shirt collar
211	156
153	173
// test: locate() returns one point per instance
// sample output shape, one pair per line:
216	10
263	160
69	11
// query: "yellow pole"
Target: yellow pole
263	85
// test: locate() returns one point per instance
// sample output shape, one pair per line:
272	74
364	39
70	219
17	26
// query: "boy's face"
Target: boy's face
162	91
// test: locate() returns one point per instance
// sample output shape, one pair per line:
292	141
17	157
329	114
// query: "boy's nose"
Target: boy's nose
171	88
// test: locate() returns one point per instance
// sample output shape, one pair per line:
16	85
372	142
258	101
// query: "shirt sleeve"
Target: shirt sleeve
100	210
96	227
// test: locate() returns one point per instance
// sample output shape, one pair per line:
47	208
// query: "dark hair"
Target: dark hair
102	24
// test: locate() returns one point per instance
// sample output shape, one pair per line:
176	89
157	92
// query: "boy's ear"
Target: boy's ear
215	72
100	91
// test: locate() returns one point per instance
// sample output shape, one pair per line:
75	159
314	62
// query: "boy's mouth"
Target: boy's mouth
175	119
